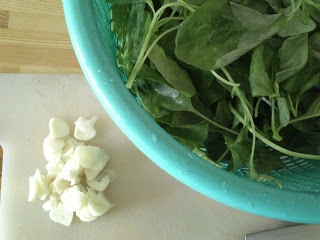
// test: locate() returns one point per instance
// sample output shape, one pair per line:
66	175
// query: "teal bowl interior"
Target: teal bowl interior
95	46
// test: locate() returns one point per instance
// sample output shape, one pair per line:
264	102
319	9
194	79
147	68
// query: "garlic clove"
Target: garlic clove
100	183
96	207
52	145
92	157
84	136
73	199
61	215
85	125
84	214
58	128
59	185
70	145
33	189
91	174
50	204
71	170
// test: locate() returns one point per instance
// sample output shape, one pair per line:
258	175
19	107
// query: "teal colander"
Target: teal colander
95	46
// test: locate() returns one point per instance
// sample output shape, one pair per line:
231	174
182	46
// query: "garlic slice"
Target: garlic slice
52	148
58	128
99	183
97	205
33	189
85	130
84	214
38	185
50	204
59	185
70	145
92	157
61	215
71	170
72	198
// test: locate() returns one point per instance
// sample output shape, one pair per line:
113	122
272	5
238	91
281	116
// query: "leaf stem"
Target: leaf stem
152	28
256	109
293	110
214	123
304	118
243	101
273	145
221	79
202	155
223	155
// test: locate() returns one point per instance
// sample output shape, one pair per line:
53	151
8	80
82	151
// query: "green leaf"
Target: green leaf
276	5
223	115
284	114
314	108
210	91
295	25
313	10
260	82
293	56
314	40
252	19
128	22
307	86
240	149
147	72
209	33
296	82
171	71
266	161
249	40
126	1
196	134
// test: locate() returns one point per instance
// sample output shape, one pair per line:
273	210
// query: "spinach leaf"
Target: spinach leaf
209	33
197	134
293	56
249	40
276	5
260	82
284	114
147	72
295	83
252	19
309	84
210	91
171	71
296	26
314	40
313	8
128	22
240	149
223	115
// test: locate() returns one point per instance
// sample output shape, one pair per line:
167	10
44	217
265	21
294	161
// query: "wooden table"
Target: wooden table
34	39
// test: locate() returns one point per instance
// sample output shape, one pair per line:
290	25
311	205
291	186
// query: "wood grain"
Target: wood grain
34	38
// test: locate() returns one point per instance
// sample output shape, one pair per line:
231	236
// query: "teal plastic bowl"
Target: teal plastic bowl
95	46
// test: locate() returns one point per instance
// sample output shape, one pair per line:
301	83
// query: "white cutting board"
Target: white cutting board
149	204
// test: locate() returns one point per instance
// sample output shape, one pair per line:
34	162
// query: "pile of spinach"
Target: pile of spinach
237	82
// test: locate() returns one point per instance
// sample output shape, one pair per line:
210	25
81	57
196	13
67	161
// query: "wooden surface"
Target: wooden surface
34	38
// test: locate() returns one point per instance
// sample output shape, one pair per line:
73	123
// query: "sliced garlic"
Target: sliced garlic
72	199
90	174
52	148
59	185
58	128
111	173
38	185
84	124
61	215
54	168
50	204
92	157
85	130
99	183
70	145
84	214
71	170
97	206
33	189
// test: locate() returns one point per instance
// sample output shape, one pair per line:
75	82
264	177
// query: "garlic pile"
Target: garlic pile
77	174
